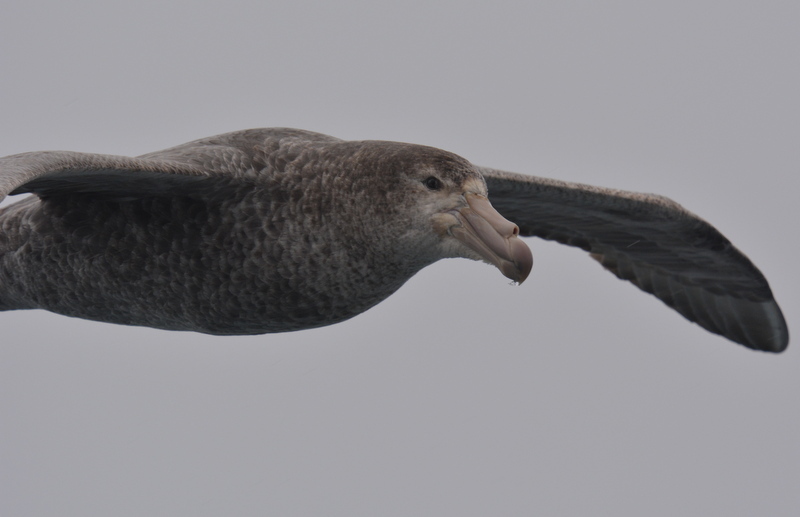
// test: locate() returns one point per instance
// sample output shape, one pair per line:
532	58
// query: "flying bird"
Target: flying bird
274	230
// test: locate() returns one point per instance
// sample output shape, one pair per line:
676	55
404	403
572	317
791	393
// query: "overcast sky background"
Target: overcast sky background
573	394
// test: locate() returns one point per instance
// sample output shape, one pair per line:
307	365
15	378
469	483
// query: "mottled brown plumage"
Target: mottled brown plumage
272	230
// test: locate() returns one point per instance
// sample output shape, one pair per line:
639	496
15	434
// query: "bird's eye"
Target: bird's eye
432	183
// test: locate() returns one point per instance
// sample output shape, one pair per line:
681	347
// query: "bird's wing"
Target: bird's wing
197	168
654	243
64	172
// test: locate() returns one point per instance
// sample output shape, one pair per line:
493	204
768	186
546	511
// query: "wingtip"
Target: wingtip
759	326
778	341
775	344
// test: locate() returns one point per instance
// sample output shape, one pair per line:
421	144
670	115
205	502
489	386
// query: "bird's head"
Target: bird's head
446	211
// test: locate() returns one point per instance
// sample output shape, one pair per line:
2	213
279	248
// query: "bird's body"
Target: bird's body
274	230
158	262
270	246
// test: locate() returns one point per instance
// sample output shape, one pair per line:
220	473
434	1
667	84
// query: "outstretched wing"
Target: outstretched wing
63	172
197	168
654	243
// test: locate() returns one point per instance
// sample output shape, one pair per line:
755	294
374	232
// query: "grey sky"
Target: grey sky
573	394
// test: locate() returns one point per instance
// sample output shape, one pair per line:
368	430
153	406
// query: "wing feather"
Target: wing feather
199	168
656	244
